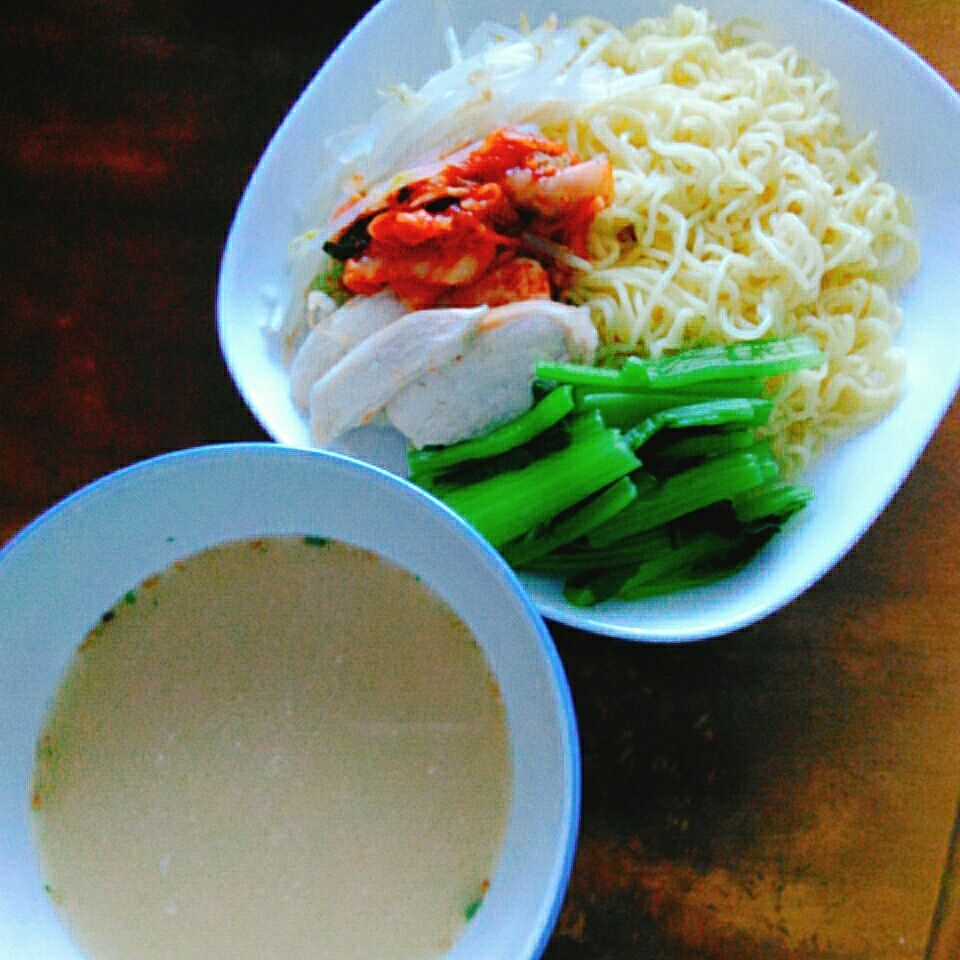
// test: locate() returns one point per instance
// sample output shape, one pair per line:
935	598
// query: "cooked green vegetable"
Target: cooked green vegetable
562	491
624	409
586	396
592	588
764	358
328	282
773	499
312	541
580	557
550	410
594	513
715	443
470	910
578	374
711	413
508	505
686	492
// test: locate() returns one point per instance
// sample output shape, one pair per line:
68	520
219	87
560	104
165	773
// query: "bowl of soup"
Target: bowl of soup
268	702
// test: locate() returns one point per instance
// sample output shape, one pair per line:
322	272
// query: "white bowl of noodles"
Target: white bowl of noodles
909	375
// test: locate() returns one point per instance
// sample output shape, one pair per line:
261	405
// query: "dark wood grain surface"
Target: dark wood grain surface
788	791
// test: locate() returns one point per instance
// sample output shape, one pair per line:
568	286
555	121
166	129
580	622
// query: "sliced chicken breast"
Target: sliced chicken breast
337	334
490	383
448	374
370	375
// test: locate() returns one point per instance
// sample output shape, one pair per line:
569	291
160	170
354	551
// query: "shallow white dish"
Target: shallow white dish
61	573
884	87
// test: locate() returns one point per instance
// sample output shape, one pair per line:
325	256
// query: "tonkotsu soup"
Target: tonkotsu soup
274	749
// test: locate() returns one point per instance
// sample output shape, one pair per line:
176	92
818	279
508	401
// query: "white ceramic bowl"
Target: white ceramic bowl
884	87
60	574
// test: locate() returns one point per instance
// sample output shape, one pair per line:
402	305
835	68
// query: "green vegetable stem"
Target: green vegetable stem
553	408
764	358
506	506
593	513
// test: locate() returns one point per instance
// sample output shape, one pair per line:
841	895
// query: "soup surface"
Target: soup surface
274	749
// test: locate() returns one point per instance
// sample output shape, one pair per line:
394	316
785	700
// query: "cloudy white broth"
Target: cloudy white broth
276	748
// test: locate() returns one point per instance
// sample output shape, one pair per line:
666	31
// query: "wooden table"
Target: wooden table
788	791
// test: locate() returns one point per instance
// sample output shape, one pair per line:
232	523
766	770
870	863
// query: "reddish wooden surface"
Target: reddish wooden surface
788	791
